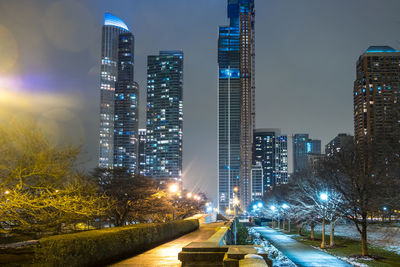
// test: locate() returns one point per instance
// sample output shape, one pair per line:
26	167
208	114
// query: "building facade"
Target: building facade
302	146
257	183
236	106
118	97
376	96
164	122
271	152
142	152
338	143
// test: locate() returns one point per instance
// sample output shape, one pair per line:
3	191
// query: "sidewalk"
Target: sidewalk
167	254
300	254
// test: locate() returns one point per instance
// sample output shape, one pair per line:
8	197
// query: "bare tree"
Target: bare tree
316	199
366	178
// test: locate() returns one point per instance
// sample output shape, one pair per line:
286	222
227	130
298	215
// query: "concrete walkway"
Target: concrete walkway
300	254
167	254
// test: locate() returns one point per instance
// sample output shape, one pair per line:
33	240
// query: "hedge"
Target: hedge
99	247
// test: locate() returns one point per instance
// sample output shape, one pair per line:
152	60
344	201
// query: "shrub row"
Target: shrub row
99	247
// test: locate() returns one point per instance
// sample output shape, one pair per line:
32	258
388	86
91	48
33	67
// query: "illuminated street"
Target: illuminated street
167	254
300	254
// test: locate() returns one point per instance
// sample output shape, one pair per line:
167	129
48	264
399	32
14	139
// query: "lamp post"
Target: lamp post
273	208
324	198
284	207
235	218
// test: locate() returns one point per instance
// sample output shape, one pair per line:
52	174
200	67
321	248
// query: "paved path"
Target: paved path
300	254
167	254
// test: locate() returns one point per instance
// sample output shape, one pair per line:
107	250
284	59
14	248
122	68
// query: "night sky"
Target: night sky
306	52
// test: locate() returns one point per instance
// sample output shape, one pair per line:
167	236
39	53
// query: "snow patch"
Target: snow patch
277	257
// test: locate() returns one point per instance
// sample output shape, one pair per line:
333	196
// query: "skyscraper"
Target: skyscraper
376	96
338	143
164	115
257	183
142	152
236	106
271	152
302	146
118	97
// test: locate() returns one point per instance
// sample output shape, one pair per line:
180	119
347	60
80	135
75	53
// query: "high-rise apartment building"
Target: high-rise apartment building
118	97
257	183
302	146
236	106
271	152
376	96
164	121
142	152
338	143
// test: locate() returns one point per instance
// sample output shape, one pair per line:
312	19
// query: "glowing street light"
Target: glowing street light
173	188
260	205
189	195
236	202
228	211
273	208
236	189
285	206
7	192
254	207
323	196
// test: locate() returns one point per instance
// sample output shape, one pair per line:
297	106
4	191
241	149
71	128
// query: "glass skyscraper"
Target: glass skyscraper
164	116
118	97
236	109
302	147
271	152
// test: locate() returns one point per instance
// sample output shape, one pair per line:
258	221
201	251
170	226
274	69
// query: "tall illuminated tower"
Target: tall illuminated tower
236	105
164	116
377	97
118	97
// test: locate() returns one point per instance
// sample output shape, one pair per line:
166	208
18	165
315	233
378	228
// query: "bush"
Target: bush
242	234
99	247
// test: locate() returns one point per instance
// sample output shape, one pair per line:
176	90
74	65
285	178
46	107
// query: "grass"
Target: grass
346	247
15	257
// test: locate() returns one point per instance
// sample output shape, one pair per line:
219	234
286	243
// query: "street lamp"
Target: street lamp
273	208
324	198
286	206
189	195
173	188
235	205
6	192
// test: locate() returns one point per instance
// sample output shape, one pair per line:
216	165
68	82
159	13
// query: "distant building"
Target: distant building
338	143
257	188
142	152
376	96
271	152
313	161
118	97
236	104
164	122
302	146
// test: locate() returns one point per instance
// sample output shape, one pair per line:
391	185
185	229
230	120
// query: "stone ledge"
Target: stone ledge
252	263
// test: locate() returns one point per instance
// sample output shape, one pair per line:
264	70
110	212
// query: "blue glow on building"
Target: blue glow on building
229	73
381	49
111	20
309	147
